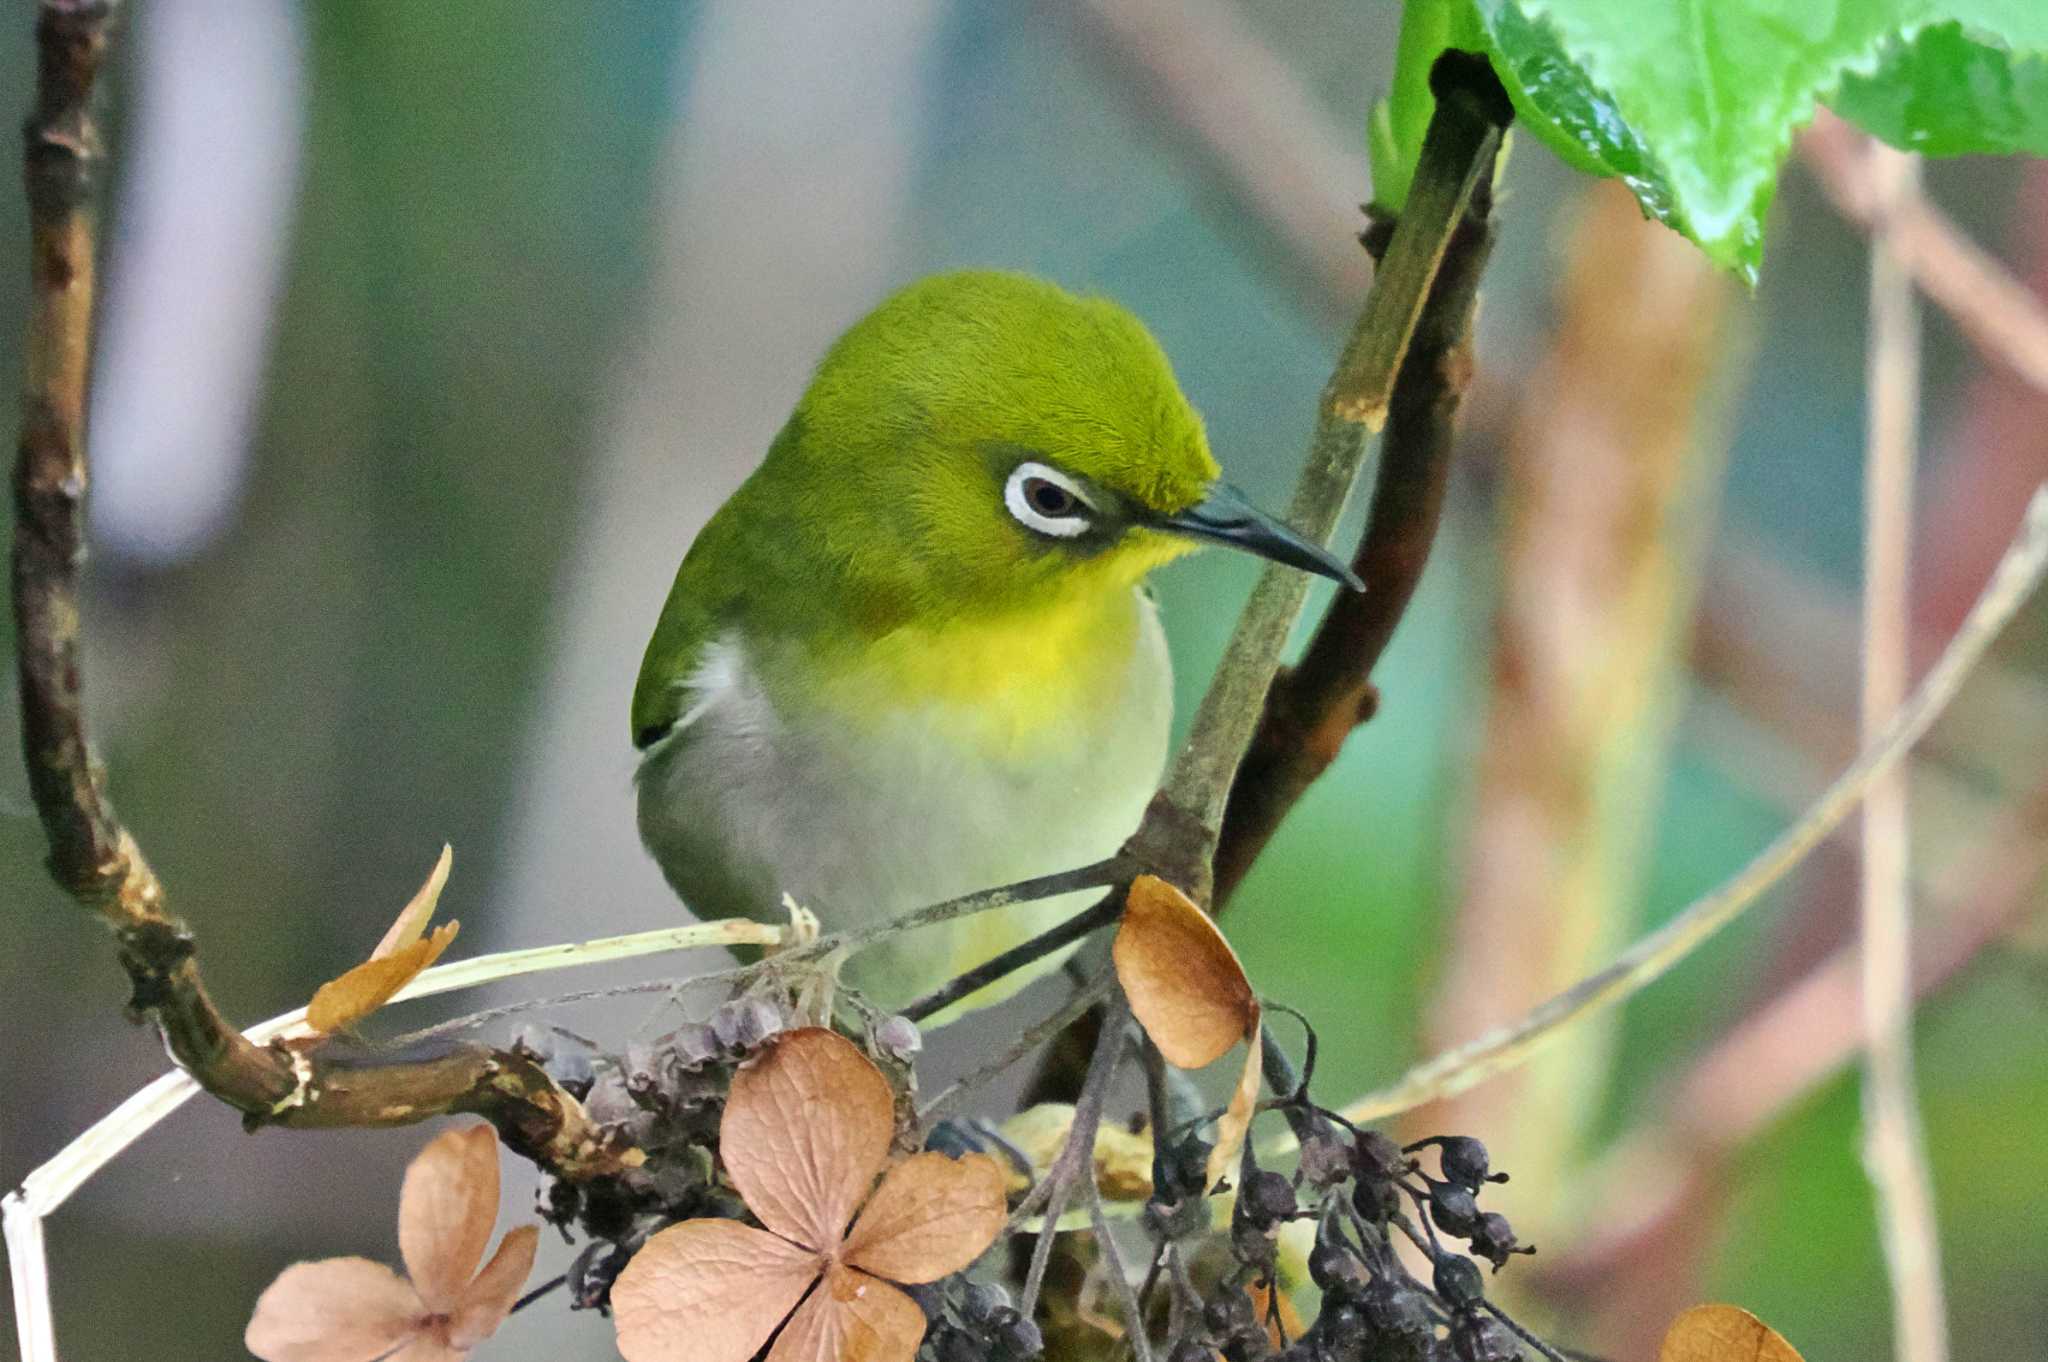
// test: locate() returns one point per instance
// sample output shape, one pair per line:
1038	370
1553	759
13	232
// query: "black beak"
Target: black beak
1225	517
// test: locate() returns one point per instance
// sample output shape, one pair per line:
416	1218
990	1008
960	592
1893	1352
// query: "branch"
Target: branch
2002	317
93	858
1181	835
1313	706
1505	1047
1181	830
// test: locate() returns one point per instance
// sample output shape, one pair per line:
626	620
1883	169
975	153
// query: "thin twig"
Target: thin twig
1182	828
28	1274
1779	1054
1076	1159
1096	875
1894	1145
53	1182
1100	914
1032	1037
1113	1264
2002	317
1607	490
1505	1047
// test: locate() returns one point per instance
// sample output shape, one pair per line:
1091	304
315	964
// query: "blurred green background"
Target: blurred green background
431	333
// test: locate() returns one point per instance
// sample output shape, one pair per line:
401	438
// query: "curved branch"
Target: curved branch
93	858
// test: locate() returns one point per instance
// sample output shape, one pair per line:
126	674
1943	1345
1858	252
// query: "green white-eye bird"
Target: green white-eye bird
912	657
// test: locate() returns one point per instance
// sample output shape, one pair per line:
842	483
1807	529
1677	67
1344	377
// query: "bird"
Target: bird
914	656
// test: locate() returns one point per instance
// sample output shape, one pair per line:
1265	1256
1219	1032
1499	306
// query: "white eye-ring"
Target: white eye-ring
1047	500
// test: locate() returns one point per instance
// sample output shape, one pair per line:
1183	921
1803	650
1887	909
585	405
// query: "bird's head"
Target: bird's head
985	441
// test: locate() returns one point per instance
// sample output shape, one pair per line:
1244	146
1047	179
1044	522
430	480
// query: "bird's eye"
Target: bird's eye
1046	500
1049	498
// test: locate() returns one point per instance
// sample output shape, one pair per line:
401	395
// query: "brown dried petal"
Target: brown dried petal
806	1128
1184	982
708	1291
338	1310
341	1003
852	1317
1723	1333
487	1300
412	919
1236	1119
445	1213
931	1216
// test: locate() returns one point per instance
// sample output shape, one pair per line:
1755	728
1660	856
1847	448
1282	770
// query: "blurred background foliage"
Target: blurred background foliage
432	332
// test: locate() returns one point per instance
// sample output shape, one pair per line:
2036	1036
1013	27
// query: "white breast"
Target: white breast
745	801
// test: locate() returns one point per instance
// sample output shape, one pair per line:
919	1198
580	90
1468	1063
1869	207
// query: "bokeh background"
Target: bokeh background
433	331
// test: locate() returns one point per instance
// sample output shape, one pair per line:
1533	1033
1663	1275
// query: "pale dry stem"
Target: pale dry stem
1894	1144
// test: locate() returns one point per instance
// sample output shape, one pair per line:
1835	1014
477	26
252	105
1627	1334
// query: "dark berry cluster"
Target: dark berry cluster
664	1097
975	1322
1365	1193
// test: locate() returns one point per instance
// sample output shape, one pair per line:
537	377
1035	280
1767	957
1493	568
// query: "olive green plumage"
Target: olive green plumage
879	503
910	657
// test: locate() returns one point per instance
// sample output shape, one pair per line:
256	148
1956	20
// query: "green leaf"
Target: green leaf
1949	91
1693	103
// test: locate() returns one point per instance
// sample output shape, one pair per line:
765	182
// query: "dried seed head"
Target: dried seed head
1229	1312
1342	1326
1453	1208
725	1025
1376	1201
1458	1281
956	1345
1325	1156
1482	1338
898	1038
1493	1239
694	1044
1395	1308
1180	1170
1465	1162
1267	1198
1378	1159
608	1101
1015	1337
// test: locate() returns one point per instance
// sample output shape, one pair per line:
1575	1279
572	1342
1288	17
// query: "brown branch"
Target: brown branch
1407	324
1182	829
1312	707
93	858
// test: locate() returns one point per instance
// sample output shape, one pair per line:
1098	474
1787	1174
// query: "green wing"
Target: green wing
729	566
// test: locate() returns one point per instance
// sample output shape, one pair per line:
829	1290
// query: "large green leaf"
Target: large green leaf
1947	91
1694	102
